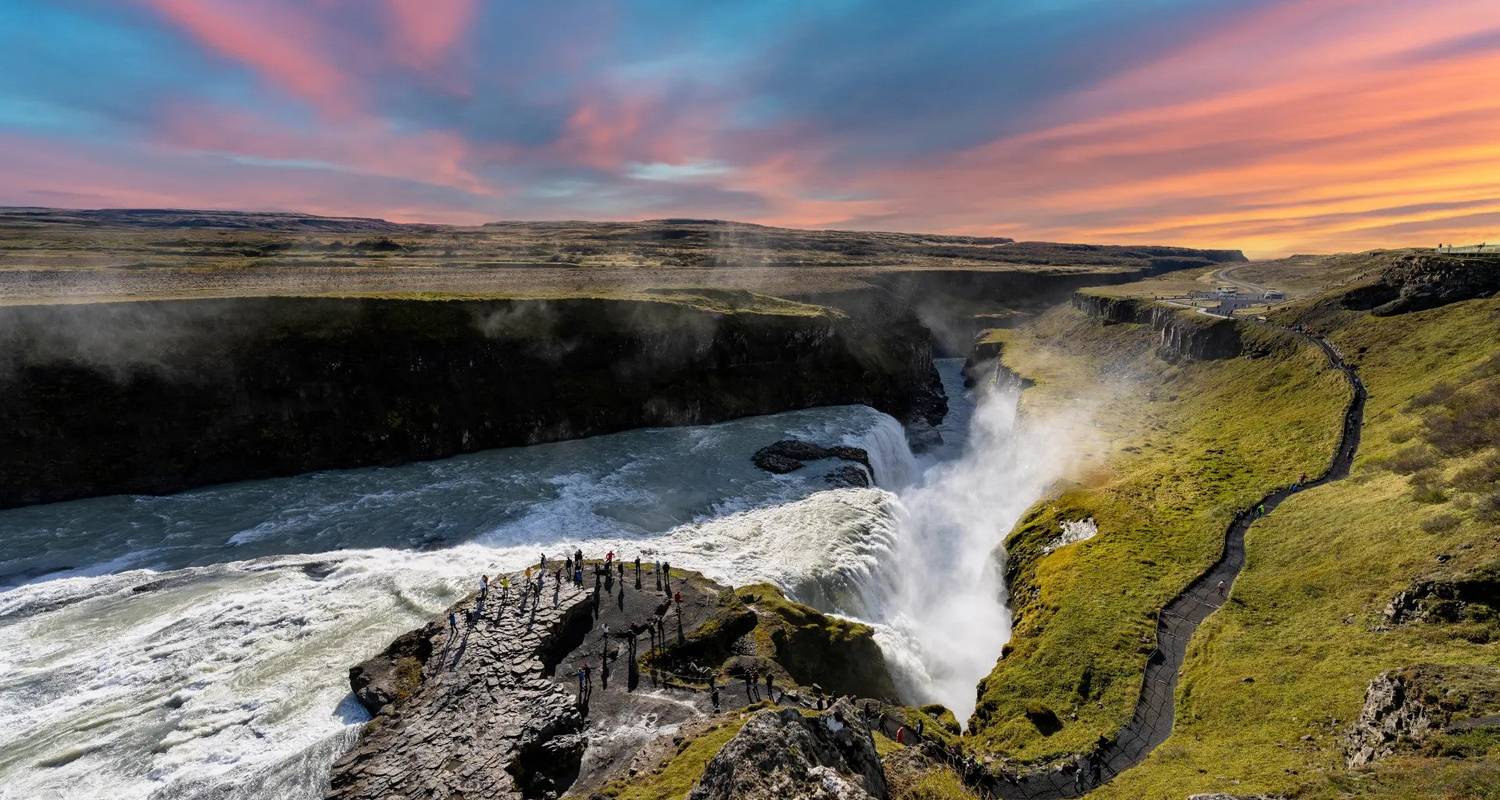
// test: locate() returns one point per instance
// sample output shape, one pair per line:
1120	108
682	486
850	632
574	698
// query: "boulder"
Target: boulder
922	436
783	754
788	455
847	476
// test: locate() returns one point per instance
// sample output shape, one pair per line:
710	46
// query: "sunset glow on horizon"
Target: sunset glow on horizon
1272	126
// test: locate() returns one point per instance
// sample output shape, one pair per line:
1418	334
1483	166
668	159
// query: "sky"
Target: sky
1273	126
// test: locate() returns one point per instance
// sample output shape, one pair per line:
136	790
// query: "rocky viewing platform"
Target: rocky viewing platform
528	694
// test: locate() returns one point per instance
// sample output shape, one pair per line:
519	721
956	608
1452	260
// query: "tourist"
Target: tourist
656	571
504	588
544	562
582	679
578	576
677	600
622	571
453	621
1260	510
770	686
638	568
1221	588
568	565
713	697
484	586
609	559
750	686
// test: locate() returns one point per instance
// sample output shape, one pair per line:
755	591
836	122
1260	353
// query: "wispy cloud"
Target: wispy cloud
1272	125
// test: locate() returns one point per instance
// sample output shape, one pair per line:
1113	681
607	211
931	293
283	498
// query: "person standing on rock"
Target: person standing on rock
504	588
770	686
656	571
1222	589
713	697
568	566
453	621
484	587
543	566
750	686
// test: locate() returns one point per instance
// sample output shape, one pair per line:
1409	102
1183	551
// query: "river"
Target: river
198	644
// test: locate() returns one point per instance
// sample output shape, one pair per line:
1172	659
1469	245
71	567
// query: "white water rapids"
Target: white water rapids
198	645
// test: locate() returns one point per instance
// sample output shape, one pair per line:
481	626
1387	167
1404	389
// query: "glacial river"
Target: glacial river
198	645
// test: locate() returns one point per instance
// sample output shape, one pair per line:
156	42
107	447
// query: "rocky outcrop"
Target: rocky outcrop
783	754
789	455
1182	334
469	713
1451	598
1405	707
1421	281
160	396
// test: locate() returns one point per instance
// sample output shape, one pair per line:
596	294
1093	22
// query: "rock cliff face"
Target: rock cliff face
1182	333
782	754
155	397
1421	281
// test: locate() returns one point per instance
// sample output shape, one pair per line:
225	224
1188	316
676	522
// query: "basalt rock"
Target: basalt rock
468	713
783	754
1421	281
789	455
1405	707
1182	333
847	477
160	396
1453	598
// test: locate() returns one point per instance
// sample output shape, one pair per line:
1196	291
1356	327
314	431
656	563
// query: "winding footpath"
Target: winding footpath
1156	705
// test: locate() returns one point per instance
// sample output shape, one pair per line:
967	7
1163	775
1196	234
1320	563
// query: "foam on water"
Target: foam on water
222	668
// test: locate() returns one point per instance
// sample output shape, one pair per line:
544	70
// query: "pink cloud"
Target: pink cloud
279	42
426	29
364	146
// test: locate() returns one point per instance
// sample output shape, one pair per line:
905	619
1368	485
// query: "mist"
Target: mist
942	608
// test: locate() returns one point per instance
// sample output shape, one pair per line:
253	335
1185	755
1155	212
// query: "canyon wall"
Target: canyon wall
1183	333
160	396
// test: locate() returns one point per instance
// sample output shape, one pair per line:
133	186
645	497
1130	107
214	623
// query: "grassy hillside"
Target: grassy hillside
1274	679
1306	624
1181	447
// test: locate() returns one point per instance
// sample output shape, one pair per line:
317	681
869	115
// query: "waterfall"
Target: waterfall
938	596
890	454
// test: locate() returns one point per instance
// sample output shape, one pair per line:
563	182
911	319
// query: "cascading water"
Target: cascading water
198	644
930	571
